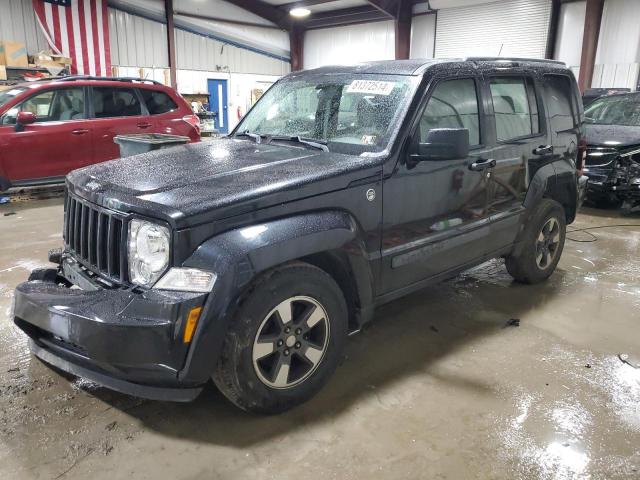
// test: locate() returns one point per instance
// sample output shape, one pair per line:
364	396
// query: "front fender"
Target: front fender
238	256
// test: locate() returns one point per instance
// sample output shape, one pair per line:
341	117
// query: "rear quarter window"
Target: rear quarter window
560	102
158	102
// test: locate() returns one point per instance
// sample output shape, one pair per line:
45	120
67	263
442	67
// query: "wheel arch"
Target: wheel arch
329	240
556	182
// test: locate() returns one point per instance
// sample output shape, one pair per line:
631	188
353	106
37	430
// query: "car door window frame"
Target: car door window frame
47	90
529	81
424	101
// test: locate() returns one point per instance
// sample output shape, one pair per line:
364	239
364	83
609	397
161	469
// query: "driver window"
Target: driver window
453	104
51	106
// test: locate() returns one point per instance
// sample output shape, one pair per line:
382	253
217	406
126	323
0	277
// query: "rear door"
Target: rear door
521	147
116	111
59	141
164	113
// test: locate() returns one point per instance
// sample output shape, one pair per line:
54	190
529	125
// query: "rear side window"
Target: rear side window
115	102
157	102
558	99
454	104
512	109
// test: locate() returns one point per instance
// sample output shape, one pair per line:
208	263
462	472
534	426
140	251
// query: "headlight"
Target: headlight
148	248
187	280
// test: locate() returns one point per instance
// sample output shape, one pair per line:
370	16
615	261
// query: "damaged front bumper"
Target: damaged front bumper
126	339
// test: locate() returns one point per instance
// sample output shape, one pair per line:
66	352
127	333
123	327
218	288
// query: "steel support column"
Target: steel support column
171	42
296	44
592	19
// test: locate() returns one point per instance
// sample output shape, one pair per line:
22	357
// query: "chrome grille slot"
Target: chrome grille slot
96	237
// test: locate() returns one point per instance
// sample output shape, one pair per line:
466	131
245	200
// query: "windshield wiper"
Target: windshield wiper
256	136
319	144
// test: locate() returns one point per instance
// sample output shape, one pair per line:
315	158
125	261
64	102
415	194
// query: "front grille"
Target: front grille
600	157
96	237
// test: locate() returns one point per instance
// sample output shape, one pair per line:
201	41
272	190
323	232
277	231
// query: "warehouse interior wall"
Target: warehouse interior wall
18	22
618	54
349	44
423	36
570	32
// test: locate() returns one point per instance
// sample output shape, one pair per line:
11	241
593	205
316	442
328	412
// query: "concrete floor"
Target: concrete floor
438	387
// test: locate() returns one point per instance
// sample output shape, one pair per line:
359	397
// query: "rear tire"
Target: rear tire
541	244
285	340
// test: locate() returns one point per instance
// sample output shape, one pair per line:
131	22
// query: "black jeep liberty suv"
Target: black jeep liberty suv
249	259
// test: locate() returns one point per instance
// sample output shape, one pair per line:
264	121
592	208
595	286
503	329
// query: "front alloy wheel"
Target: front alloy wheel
291	342
284	341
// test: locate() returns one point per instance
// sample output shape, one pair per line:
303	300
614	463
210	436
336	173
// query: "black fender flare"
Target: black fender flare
238	256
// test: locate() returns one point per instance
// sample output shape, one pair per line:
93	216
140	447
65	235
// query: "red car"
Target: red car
48	128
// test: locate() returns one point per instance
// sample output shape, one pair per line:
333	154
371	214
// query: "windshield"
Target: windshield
350	113
616	110
8	95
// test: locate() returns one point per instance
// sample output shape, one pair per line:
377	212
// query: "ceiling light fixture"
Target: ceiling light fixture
299	12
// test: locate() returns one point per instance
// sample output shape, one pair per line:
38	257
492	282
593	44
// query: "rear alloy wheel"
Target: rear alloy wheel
540	245
548	243
285	340
291	342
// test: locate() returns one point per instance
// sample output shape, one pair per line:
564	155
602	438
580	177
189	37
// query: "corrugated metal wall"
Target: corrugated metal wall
196	52
136	41
517	28
18	22
349	44
139	42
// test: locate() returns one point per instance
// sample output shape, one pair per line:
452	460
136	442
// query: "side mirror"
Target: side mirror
24	118
443	144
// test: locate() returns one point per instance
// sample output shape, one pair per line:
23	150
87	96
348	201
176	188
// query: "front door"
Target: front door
57	143
218	104
435	213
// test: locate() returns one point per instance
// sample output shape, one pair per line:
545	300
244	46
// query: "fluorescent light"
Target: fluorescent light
299	12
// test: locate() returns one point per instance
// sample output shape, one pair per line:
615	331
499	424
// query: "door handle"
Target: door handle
482	164
79	131
144	125
543	150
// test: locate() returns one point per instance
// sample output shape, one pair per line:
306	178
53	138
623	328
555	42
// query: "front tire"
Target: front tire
541	244
285	340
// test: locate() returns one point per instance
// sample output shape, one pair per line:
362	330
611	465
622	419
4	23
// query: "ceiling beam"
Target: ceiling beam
302	3
346	16
266	11
391	8
209	18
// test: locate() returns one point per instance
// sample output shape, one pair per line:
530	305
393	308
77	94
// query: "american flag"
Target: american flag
77	29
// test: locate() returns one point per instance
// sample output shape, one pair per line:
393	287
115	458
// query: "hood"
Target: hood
614	136
216	179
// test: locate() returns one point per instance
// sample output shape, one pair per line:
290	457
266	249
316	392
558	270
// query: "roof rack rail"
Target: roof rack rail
73	78
513	59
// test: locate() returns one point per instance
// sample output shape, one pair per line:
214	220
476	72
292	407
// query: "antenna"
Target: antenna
500	51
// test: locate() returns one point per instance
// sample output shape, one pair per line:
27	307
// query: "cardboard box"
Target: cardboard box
13	54
50	60
3	72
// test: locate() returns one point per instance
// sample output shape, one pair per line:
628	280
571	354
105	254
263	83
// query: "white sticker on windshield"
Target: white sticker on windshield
374	87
